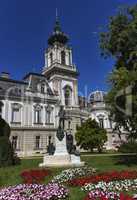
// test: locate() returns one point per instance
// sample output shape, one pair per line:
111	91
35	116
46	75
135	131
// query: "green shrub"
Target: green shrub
7	155
128	147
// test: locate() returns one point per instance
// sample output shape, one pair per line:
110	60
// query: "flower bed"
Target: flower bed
106	177
34	191
69	174
117	186
98	195
34	176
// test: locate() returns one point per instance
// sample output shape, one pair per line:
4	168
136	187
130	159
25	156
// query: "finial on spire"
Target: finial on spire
56	14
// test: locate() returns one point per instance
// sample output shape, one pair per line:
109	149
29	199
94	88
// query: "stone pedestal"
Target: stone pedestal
61	148
61	161
61	158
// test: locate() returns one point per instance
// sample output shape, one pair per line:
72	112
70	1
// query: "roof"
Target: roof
12	80
34	74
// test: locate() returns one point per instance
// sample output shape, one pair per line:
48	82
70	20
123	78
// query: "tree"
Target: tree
7	155
120	42
89	136
121	38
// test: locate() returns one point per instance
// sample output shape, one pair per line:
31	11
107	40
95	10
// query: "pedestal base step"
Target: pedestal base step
61	161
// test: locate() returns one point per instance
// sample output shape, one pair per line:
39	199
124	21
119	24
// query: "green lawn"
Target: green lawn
10	175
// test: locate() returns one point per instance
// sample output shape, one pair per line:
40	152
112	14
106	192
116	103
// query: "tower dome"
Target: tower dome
97	96
57	35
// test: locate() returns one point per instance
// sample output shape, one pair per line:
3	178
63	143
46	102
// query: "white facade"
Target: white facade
31	106
100	112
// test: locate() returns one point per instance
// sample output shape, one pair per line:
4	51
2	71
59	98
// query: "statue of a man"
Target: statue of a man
61	117
60	131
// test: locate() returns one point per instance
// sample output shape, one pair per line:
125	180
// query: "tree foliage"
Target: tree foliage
89	136
120	42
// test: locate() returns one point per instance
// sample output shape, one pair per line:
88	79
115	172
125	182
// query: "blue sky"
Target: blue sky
25	26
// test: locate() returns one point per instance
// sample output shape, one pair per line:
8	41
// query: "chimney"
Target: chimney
5	75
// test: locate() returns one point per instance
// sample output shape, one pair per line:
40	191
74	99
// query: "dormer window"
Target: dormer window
42	88
63	58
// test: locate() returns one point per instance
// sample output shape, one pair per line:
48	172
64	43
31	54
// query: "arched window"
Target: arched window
101	121
51	58
68	95
37	114
15	91
63	57
48	114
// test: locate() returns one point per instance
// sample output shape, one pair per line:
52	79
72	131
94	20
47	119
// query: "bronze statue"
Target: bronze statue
70	145
51	149
60	131
61	117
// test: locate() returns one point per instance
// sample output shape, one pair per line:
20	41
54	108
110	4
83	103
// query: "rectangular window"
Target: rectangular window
16	115
49	140
37	142
63	58
48	117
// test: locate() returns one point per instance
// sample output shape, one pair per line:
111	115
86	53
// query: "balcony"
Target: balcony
15	124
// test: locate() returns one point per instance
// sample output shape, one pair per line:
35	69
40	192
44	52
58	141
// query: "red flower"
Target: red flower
34	176
106	177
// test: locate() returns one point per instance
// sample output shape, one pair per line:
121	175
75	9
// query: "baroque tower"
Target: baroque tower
59	69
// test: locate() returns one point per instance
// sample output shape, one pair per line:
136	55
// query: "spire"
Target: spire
57	27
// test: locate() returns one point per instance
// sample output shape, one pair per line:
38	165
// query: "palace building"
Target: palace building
31	105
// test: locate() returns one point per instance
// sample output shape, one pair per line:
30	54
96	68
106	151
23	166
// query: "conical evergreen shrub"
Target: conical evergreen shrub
7	155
